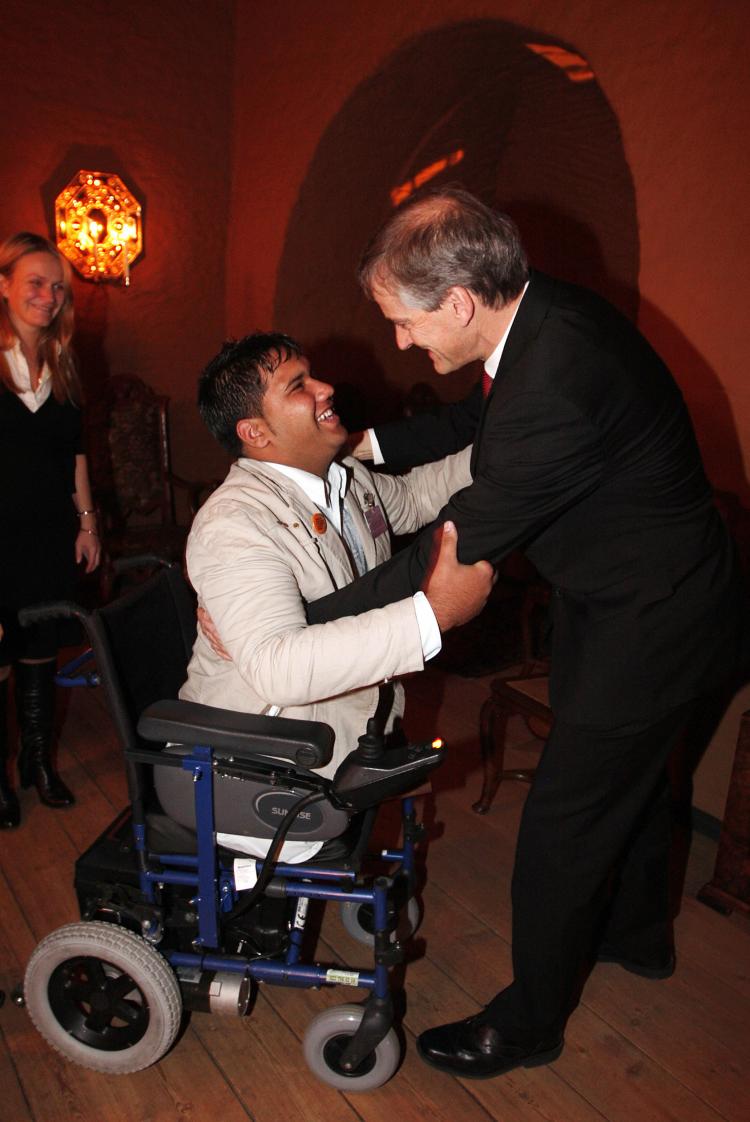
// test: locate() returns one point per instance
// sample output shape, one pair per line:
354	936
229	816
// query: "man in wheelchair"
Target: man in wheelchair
167	924
290	524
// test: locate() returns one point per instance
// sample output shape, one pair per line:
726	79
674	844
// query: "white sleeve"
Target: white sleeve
377	455
429	632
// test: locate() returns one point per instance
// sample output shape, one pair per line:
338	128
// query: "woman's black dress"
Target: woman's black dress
38	523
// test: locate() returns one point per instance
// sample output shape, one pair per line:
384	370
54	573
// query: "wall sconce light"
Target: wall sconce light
98	226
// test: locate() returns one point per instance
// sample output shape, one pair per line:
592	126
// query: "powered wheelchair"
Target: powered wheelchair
164	926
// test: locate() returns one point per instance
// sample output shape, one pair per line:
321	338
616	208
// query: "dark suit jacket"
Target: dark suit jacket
431	436
584	456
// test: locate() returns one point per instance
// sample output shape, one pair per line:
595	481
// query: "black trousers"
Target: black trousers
591	867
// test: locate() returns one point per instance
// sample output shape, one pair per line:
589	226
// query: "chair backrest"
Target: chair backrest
143	643
129	449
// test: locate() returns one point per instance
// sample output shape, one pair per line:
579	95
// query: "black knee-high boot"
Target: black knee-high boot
35	708
10	814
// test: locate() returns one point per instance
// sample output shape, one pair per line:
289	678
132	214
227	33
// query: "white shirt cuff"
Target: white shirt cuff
377	455
429	632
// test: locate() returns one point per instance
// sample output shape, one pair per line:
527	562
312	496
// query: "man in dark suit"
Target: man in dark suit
584	457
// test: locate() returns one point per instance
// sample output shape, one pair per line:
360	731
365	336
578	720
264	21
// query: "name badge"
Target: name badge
376	521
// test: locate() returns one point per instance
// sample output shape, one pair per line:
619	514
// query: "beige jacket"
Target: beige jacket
254	558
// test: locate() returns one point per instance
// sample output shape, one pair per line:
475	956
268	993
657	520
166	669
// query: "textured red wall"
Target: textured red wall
224	165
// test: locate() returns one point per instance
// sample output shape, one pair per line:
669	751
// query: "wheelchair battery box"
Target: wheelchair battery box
110	860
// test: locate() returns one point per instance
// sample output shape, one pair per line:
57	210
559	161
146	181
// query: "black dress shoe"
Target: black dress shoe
474	1049
659	967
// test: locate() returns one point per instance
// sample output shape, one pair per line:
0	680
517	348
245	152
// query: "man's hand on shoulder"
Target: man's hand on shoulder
359	445
456	592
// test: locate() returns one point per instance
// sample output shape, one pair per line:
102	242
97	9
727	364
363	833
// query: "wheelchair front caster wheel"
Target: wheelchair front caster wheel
103	997
327	1037
358	920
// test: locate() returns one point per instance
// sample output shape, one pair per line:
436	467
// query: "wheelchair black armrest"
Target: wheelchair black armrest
308	744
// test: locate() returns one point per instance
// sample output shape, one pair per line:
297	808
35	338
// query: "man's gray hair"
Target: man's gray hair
445	238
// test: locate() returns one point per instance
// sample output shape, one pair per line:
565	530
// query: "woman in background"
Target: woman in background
47	521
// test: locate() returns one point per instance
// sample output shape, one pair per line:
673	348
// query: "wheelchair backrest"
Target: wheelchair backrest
143	642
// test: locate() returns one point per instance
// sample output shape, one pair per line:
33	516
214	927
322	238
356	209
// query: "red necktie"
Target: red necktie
486	383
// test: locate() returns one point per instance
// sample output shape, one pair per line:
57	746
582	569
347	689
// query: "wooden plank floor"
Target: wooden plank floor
636	1051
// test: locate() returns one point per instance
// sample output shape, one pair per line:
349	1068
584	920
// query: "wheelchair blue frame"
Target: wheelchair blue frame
71	673
204	872
148	904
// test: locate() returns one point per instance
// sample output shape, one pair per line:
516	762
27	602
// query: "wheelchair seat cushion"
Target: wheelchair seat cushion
292	852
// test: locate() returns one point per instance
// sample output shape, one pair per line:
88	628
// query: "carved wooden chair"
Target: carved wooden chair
133	482
729	888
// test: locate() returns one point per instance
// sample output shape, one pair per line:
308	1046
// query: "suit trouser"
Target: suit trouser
592	865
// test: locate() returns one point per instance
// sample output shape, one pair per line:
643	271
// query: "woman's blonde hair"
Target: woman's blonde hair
55	340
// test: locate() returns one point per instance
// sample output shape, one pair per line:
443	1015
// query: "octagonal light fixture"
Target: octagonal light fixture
98	226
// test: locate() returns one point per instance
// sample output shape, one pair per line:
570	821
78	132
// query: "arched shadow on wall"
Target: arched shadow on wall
536	143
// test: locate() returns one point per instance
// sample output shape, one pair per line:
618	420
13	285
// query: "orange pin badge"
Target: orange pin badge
319	523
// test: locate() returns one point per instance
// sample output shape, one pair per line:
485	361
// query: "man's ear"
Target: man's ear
461	302
254	433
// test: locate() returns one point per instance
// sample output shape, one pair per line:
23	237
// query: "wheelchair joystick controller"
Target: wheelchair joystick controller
371	745
373	772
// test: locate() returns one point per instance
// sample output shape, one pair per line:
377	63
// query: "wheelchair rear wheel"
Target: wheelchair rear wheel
326	1038
103	997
